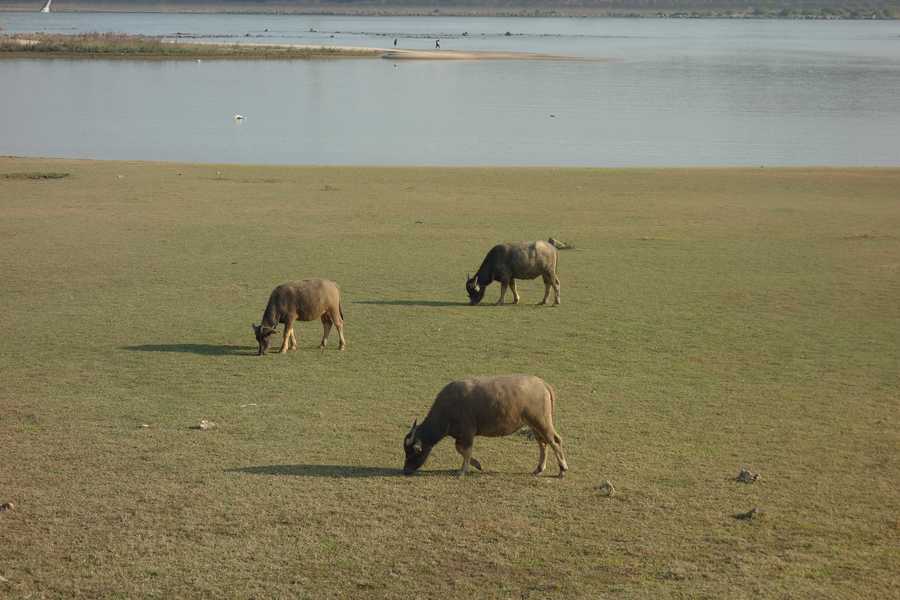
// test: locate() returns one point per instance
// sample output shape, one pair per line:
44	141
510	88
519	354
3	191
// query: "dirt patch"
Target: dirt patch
35	175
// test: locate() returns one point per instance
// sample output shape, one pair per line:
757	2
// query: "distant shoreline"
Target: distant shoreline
777	11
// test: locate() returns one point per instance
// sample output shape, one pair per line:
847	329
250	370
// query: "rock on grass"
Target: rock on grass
746	476
606	489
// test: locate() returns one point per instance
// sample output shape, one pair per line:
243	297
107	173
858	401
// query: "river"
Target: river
657	92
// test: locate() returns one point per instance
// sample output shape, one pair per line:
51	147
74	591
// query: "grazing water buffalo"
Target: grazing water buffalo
489	406
507	262
305	300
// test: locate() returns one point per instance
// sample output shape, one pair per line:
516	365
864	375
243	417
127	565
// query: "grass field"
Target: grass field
710	319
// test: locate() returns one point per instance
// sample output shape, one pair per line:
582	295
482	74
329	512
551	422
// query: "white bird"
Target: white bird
238	117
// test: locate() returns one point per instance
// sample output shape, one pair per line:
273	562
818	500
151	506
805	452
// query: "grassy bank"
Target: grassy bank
116	45
710	319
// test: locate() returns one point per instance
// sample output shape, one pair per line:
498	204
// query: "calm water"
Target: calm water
709	92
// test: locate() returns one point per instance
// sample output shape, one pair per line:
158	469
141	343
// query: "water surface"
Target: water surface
672	92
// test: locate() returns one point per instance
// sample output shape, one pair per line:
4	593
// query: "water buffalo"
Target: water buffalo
507	262
488	406
305	300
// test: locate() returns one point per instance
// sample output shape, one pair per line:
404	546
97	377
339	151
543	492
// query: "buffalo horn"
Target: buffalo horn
411	435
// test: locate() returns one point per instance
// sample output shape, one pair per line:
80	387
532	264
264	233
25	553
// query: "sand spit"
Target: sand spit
123	46
402	54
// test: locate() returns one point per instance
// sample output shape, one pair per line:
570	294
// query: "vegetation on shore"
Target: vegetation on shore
117	45
711	319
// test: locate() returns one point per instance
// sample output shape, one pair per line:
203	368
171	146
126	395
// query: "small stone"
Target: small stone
606	489
144	426
7	506
753	513
205	425
3	579
745	476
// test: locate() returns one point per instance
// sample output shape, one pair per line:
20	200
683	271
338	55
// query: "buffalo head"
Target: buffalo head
416	451
475	291
263	335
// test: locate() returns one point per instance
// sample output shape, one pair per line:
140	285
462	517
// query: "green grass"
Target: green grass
119	45
711	319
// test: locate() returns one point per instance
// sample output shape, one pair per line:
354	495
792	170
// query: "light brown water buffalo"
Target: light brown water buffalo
507	262
305	300
488	406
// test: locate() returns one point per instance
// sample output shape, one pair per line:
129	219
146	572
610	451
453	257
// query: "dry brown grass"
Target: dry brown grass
118	45
711	319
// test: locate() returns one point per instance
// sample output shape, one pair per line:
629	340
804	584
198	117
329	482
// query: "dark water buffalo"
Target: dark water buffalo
507	262
305	300
488	406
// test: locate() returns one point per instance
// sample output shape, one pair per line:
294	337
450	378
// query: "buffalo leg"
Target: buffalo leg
293	341
288	328
339	325
326	330
546	290
512	287
503	286
556	444
542	460
465	449
556	288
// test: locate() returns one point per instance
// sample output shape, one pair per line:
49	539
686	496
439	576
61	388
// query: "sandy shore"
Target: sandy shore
404	54
470	55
